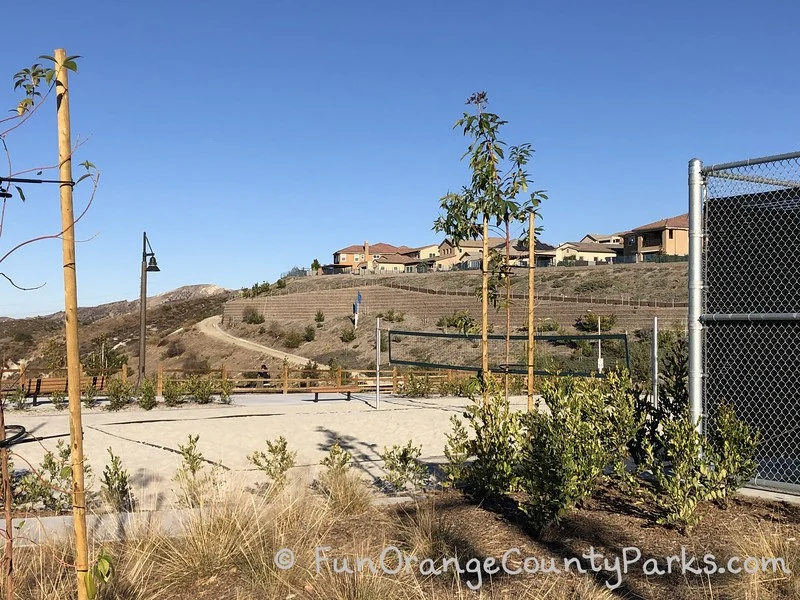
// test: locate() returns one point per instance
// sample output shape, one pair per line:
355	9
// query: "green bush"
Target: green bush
23	337
252	317
199	389
593	285
16	398
59	400
115	485
175	348
275	462
119	394
89	397
319	318
566	450
461	321
460	387
348	335
457	451
734	447
293	339
280	284
403	467
391	316
225	391
588	322
194	482
416	386
309	333
50	486
146	394
172	392
547	326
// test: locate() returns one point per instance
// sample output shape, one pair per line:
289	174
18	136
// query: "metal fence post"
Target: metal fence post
377	363
695	291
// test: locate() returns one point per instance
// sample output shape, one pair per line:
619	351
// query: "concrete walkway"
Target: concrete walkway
147	441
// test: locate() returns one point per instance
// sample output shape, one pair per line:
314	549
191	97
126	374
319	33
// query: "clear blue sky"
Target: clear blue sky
248	137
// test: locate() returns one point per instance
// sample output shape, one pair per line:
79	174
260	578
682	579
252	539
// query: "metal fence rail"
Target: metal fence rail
749	305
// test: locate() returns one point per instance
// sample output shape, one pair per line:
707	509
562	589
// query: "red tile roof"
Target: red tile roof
379	248
679	222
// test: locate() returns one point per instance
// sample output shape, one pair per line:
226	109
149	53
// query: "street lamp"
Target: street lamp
148	265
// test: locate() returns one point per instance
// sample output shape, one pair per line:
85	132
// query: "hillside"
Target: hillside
623	291
118	322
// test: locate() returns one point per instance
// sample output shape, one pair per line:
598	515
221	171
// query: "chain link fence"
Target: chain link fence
750	306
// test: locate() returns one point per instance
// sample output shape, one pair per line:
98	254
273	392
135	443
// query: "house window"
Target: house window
631	241
342	257
670	234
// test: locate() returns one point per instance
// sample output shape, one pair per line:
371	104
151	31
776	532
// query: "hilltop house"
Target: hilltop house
600	238
360	257
667	236
588	252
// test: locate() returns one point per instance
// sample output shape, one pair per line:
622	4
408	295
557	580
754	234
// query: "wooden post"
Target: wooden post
71	324
339	376
123	373
223	376
531	299
8	554
285	377
485	310
160	380
394	380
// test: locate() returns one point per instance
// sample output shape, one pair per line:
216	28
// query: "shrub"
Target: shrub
734	447
115	485
403	467
416	386
461	321
119	394
280	284
275	462
293	339
681	474
225	390
195	484
175	348
593	285
495	445
16	398
89	397
547	326
193	362
59	400
460	387
564	452
588	322
457	451
348	335
172	392
199	389
50	486
319	318
23	336
391	316
252	317
309	333
147	394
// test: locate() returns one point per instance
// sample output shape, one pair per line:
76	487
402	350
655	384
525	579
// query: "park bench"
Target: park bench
42	386
333	389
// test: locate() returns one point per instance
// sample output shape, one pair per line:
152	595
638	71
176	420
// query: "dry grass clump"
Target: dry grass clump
345	492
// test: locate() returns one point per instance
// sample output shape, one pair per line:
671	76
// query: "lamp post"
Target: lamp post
147	266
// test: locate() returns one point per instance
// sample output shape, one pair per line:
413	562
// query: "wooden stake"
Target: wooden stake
8	553
531	322
71	324
485	311
508	303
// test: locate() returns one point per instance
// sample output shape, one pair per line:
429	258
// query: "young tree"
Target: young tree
492	197
37	84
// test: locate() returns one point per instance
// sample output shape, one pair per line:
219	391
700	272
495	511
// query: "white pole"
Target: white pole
695	290
377	363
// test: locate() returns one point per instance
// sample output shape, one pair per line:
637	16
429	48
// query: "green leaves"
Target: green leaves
101	572
20	192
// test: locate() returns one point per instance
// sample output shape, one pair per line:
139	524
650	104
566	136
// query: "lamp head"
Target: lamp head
152	267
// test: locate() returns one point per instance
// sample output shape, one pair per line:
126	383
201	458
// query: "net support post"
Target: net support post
696	291
377	363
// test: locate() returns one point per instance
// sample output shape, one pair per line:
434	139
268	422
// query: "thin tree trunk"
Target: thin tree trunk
508	302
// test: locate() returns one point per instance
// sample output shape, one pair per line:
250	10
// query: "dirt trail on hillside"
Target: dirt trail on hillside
210	327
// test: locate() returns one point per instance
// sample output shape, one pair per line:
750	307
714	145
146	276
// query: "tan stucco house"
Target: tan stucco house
665	237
